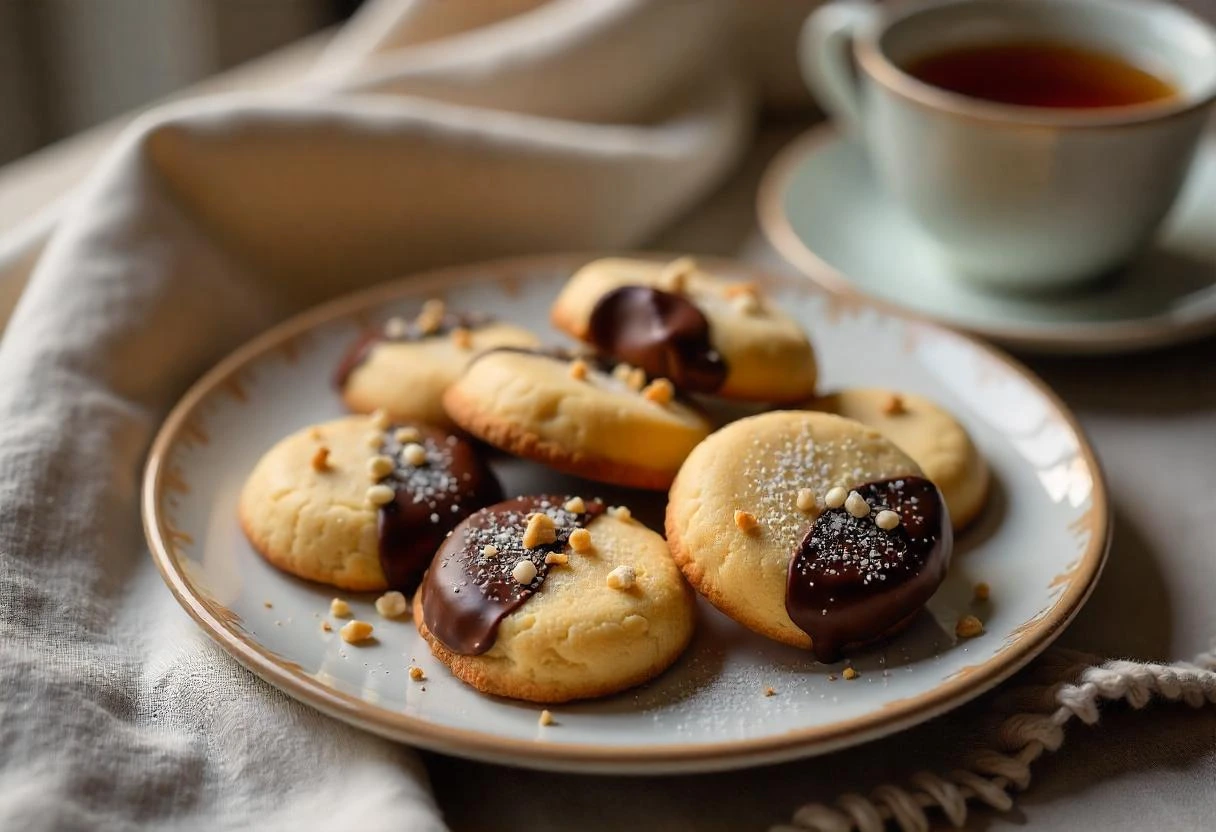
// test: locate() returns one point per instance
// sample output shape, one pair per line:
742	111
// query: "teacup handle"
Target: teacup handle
825	54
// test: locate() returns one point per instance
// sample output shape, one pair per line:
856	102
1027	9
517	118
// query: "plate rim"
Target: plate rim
1073	337
589	757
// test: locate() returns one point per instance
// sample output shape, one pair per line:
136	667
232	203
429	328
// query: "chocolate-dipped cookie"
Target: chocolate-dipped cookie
578	415
403	365
705	333
930	435
361	503
810	529
553	598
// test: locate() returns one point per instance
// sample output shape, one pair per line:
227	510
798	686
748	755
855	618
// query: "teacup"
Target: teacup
1022	197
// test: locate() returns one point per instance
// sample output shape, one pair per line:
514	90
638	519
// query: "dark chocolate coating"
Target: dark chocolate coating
430	500
465	595
851	582
662	332
362	348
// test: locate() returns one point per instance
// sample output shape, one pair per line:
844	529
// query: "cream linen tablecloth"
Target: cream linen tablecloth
473	129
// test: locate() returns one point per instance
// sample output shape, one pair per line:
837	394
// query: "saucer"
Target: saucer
821	207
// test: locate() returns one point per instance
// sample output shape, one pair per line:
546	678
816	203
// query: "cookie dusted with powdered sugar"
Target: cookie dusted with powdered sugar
810	529
553	598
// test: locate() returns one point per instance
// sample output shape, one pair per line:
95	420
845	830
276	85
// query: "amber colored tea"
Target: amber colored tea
1040	75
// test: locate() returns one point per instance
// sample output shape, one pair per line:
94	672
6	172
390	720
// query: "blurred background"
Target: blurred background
69	64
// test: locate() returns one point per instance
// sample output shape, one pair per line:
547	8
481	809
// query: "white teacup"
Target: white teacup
1019	197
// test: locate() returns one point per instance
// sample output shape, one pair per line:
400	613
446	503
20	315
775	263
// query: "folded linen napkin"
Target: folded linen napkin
432	132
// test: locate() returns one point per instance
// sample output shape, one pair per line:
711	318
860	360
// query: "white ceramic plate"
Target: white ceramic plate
1040	545
822	208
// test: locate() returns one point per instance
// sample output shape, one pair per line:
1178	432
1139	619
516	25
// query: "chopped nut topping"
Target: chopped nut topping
982	591
414	454
856	505
747	304
580	540
738	290
770	692
886	519
416	673
326	627
675	274
380	466
379	495
545	718
556	558
379	419
374	439
636	380
355	632
894	406
850	673
623	577
746	521
407	435
968	626
320	460
391	604
578	369
462	338
659	391
540	530
339	608
575	505
524	572
489	551
805	499
835	497
431	317
621	372
620	513
396	327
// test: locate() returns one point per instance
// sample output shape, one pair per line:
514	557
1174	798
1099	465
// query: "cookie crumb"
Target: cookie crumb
675	274
578	369
379	419
326	627
556	559
580	540
856	505
414	454
850	674
835	497
886	519
391	604
746	521
832	677
659	391
805	499
738	290
968	626
320	460
623	577
545	718
620	513
355	632
431	317
575	505
982	591
379	495
339	608
462	338
524	572
396	327
407	435
894	406
268	605
540	530
489	551
416	673
770	692
379	467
